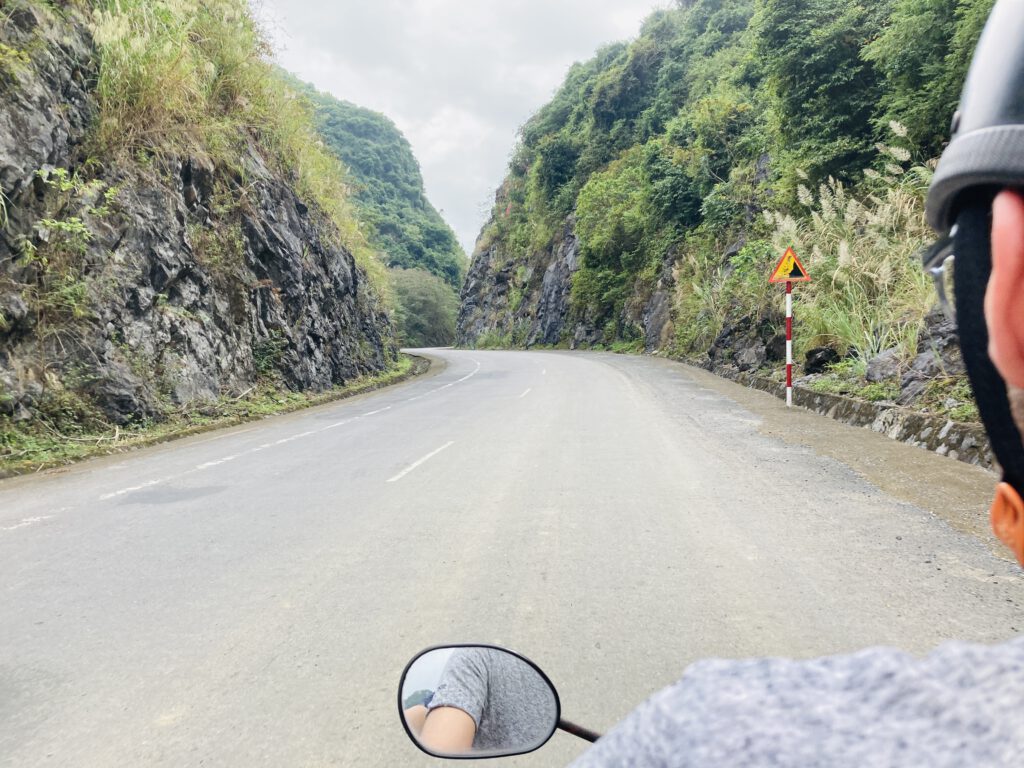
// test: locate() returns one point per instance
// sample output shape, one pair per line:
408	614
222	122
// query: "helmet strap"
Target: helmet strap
972	247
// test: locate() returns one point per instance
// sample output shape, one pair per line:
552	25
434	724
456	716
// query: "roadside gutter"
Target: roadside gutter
964	442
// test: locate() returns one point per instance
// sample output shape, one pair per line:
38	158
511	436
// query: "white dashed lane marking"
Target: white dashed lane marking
218	462
419	462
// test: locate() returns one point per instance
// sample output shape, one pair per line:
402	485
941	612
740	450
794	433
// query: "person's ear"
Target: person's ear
1004	299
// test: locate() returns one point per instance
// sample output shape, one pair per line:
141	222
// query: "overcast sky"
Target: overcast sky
458	77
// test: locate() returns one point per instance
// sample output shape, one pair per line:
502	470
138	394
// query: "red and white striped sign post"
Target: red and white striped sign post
789	270
789	343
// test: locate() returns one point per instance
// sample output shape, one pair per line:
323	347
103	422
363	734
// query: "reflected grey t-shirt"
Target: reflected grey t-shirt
512	706
963	705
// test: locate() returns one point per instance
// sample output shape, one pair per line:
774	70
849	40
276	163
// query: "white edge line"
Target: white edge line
337	424
415	464
469	375
27	521
528	390
123	491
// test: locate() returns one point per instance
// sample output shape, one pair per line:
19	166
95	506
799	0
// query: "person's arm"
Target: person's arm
448	730
457	704
414	717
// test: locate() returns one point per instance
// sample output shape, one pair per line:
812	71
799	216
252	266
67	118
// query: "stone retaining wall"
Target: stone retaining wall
964	442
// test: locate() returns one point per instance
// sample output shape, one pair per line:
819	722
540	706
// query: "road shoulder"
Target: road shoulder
958	493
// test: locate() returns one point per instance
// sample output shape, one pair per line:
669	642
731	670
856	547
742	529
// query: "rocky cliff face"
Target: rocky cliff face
507	300
517	301
527	304
129	289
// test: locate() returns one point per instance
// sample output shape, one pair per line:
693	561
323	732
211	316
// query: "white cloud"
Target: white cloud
458	77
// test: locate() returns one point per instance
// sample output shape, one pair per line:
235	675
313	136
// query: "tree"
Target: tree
426	308
922	56
824	93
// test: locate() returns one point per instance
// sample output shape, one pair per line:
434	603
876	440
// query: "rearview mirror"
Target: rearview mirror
471	701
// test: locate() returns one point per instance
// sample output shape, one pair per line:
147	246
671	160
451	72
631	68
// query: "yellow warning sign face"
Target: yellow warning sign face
789	269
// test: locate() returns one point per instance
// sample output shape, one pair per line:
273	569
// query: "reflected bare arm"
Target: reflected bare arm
414	717
448	730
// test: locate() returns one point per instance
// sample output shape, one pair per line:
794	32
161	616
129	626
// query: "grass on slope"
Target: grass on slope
195	77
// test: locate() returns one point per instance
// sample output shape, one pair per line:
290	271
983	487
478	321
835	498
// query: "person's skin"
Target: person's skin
414	717
1004	299
448	730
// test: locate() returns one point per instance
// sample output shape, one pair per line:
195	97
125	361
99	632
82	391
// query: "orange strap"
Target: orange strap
1008	519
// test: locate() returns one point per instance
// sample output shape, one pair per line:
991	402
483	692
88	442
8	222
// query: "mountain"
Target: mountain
646	204
389	192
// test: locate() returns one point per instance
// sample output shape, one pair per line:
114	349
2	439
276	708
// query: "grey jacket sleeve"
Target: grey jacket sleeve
463	684
961	705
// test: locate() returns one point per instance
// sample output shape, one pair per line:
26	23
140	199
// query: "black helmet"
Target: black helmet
985	155
987	146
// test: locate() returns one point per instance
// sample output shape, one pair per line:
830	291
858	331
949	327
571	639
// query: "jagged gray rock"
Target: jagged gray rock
884	365
656	318
176	301
751	358
544	284
553	304
818	359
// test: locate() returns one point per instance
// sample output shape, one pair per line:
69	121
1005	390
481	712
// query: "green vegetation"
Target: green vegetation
494	339
952	397
426	308
71	431
847	378
174	80
406	229
742	127
57	293
184	76
12	60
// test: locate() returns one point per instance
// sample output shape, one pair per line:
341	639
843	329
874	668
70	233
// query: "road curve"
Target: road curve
249	597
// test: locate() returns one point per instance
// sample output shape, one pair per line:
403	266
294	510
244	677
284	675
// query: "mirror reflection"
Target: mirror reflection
477	700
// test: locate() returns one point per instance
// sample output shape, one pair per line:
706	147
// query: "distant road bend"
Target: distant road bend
249	597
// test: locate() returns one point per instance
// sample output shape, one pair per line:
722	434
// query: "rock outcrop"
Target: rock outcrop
525	304
127	289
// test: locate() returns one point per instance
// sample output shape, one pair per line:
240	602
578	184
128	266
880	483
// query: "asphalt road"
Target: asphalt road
249	597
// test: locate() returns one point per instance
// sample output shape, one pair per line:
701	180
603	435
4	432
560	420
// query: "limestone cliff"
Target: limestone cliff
528	304
525	302
131	288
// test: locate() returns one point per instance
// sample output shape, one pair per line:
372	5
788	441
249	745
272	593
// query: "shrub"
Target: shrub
869	292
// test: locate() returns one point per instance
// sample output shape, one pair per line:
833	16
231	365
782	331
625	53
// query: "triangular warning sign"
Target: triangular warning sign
789	269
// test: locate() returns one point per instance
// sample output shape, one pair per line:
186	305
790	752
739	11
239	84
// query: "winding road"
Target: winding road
249	597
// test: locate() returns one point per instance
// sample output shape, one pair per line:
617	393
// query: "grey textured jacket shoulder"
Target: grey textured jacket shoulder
962	705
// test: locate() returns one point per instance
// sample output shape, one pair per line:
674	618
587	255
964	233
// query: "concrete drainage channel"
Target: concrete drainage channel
964	442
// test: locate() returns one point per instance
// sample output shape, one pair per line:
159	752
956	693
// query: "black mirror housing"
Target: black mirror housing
473	701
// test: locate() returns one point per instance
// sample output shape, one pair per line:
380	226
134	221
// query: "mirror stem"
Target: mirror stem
578	730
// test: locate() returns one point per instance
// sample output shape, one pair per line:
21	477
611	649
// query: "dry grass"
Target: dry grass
194	76
869	292
861	248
